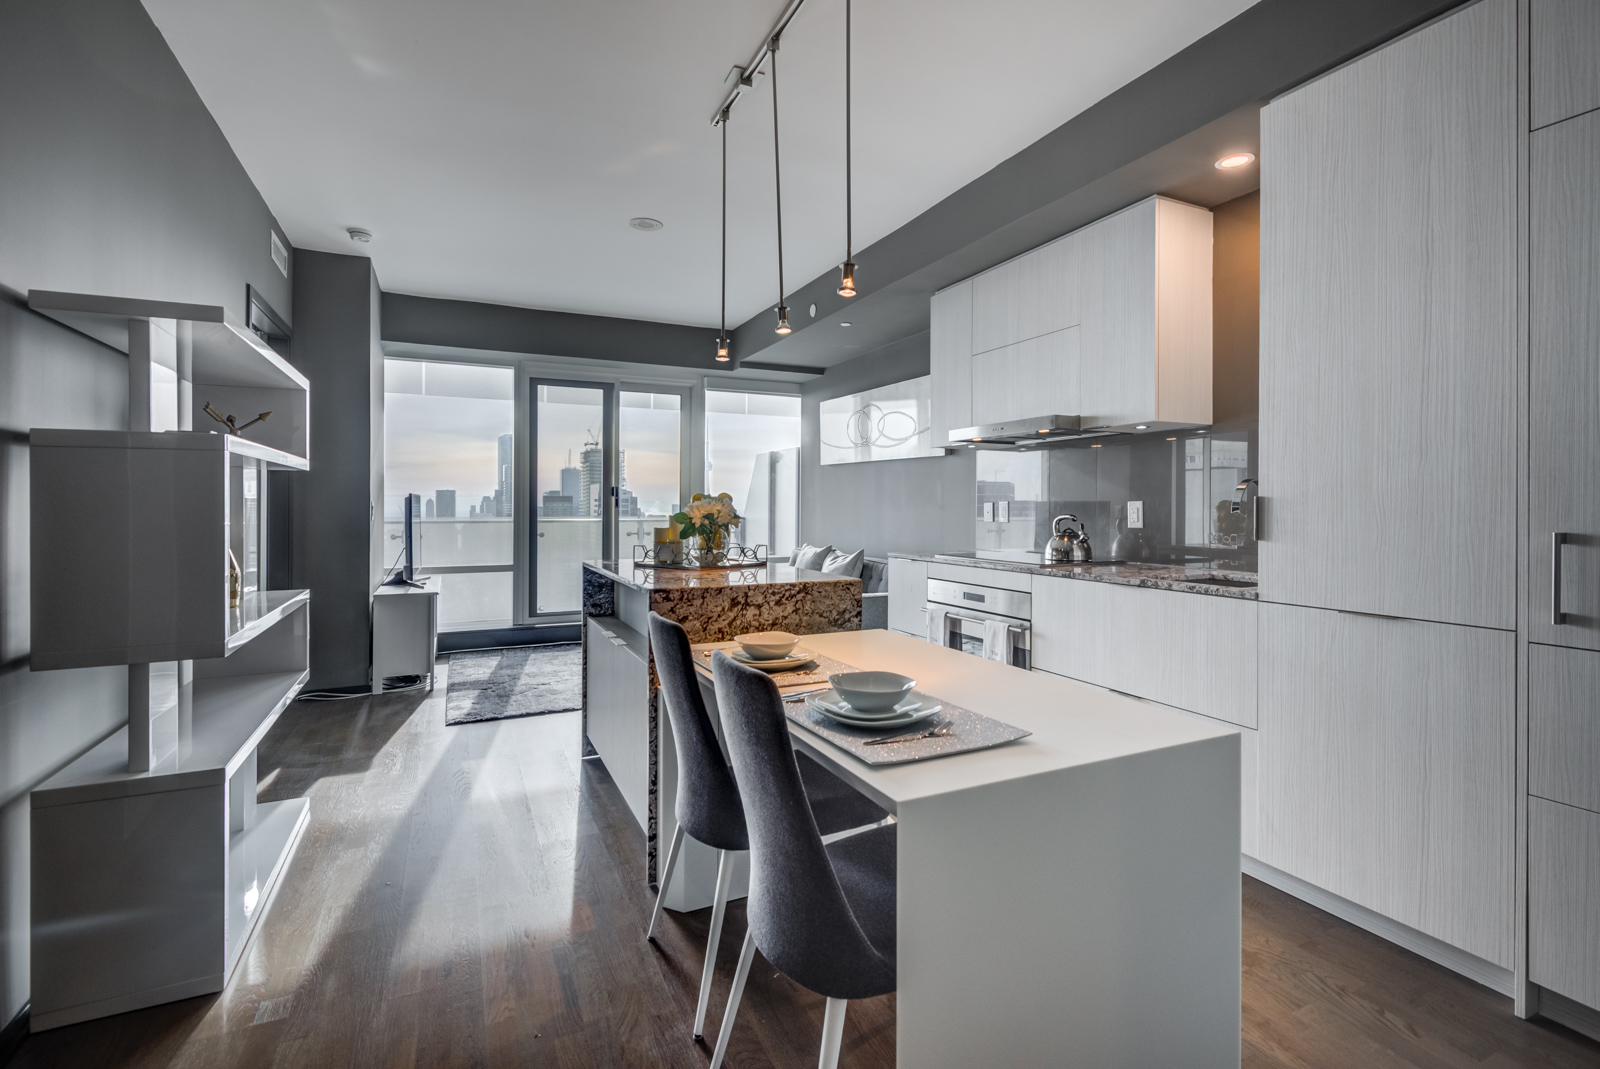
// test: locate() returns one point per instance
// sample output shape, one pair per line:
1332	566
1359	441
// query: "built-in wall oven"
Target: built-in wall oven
982	620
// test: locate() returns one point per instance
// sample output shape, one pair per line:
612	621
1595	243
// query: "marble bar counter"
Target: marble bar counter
1192	578
623	723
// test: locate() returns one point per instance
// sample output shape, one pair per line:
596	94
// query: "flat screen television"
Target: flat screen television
404	571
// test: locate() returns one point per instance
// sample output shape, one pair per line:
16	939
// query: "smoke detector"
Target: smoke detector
644	222
357	234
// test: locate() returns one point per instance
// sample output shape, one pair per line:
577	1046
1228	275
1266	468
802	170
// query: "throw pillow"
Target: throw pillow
846	564
811	558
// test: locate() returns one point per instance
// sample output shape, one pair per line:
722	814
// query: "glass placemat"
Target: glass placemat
804	675
968	731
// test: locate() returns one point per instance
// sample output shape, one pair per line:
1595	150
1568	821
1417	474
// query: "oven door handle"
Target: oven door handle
1018	628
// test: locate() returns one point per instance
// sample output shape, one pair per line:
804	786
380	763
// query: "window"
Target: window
753	453
448	438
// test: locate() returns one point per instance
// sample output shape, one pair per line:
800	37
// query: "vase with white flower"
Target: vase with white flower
708	523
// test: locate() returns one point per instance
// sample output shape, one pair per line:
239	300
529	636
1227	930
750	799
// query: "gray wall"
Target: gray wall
336	530
920	505
113	179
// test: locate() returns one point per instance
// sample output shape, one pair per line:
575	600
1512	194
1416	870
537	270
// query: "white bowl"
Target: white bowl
871	692
768	645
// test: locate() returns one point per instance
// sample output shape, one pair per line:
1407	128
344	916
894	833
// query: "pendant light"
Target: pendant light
777	186
722	334
847	273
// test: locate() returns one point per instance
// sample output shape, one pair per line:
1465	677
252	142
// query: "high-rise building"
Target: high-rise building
444	504
571	480
427	509
628	504
591	479
489	506
555	504
507	462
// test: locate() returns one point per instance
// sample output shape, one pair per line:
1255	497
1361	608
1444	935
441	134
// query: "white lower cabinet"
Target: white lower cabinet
1196	652
1564	900
1387	768
908	596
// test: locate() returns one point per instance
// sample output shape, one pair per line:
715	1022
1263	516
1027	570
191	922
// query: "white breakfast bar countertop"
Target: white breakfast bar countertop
1072	724
1070	898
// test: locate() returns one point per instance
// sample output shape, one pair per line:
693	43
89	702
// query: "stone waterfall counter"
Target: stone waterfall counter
621	721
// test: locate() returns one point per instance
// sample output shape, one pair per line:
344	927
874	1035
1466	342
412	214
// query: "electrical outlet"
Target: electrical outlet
988	512
1005	512
1135	515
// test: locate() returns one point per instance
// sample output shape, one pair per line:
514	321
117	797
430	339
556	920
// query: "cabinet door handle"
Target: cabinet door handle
1557	540
1368	615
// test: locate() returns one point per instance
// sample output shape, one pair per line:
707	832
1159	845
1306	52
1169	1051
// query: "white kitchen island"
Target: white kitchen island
1068	899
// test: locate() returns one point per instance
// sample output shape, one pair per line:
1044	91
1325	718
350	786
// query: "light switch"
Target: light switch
1135	515
988	512
1005	512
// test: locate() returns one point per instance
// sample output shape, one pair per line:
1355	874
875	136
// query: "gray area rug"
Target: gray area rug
527	681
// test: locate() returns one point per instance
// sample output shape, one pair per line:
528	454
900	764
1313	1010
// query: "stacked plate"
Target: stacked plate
771	651
910	709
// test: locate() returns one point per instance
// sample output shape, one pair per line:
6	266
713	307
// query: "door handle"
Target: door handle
1557	540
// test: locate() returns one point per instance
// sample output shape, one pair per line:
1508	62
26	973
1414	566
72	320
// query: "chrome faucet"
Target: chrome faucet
1238	502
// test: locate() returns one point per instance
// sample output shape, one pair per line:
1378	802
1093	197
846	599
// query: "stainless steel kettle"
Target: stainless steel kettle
1069	545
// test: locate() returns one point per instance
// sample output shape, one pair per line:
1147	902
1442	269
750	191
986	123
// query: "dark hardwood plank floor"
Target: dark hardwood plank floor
472	896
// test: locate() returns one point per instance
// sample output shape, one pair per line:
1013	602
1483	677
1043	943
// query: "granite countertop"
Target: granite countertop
1187	578
641	577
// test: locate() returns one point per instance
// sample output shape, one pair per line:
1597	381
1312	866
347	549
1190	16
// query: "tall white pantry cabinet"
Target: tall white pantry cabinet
152	862
1429	694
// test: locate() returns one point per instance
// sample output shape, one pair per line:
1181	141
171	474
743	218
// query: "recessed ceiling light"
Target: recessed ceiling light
1236	160
1141	426
644	222
357	234
813	311
1172	439
844	324
1095	446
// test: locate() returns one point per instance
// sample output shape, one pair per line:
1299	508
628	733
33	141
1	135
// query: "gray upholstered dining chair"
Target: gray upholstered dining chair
709	806
824	915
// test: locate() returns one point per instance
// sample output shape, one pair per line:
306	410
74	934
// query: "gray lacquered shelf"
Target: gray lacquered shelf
224	354
257	857
231	714
259	610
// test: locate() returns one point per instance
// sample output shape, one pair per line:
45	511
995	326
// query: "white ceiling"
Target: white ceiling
497	149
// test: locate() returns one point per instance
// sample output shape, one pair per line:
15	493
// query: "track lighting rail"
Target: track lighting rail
747	75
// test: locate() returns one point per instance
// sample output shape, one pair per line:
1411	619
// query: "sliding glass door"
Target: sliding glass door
574	473
651	435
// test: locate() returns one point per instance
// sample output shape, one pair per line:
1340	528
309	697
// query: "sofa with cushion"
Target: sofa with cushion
873	573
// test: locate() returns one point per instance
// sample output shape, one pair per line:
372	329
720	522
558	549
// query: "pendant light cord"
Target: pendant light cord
777	167
722	338
849	237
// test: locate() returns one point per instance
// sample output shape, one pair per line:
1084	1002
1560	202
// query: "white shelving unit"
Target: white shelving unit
152	862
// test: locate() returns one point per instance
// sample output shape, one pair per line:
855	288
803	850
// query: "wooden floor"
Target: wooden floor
472	896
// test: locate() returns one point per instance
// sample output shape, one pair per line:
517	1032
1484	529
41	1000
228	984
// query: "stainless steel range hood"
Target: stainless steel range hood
1026	433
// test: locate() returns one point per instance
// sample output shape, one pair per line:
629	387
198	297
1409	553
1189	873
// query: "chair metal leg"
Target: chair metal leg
832	1033
720	907
736	992
666	878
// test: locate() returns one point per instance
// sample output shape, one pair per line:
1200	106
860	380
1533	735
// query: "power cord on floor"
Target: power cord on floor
416	683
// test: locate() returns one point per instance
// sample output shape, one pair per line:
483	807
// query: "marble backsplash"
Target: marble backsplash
1183	484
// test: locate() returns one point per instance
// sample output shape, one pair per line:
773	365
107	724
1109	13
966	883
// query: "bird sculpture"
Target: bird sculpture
228	421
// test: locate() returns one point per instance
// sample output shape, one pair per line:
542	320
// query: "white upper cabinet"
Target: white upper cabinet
950	359
1389	329
1111	323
